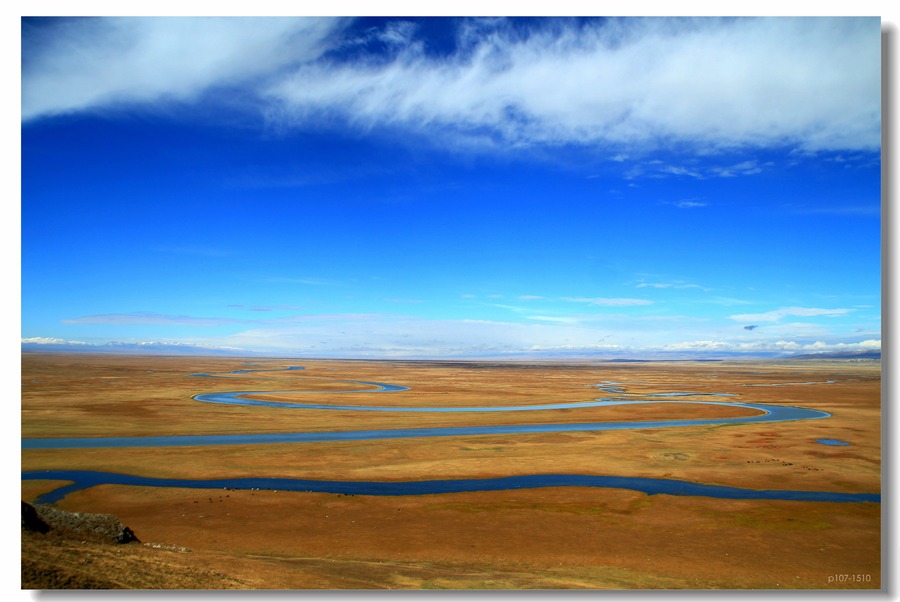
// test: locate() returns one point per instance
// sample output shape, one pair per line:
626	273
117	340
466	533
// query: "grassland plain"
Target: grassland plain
546	538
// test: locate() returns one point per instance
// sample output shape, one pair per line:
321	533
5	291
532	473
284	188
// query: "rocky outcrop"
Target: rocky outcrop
31	521
42	518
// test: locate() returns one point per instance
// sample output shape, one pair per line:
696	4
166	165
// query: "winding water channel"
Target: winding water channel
767	413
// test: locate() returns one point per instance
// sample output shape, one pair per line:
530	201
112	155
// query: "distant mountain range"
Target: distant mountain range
839	355
159	348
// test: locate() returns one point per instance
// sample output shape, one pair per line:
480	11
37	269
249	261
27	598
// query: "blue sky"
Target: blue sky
450	187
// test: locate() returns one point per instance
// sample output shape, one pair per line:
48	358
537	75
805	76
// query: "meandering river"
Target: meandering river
766	413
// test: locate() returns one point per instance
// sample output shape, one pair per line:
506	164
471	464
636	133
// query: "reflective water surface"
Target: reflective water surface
766	413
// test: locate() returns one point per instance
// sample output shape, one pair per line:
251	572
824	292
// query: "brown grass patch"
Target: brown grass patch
543	538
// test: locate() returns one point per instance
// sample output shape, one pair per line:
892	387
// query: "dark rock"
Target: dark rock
126	535
31	521
97	527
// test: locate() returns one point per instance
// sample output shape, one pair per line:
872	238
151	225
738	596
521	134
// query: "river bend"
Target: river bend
766	413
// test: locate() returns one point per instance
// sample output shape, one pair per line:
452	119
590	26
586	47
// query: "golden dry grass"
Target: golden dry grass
543	538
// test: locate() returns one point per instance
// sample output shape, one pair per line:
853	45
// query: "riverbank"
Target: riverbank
574	537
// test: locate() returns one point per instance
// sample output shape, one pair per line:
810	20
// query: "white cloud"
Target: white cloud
726	301
50	341
678	284
777	314
870	344
401	336
657	170
513	308
395	336
608	301
813	83
599	301
266	307
744	168
142	317
130	346
387	335
681	171
557	319
84	64
778	346
810	82
686	204
372	335
292	280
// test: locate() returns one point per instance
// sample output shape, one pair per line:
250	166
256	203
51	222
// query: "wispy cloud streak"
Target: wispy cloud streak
713	82
609	301
152	319
777	314
811	83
